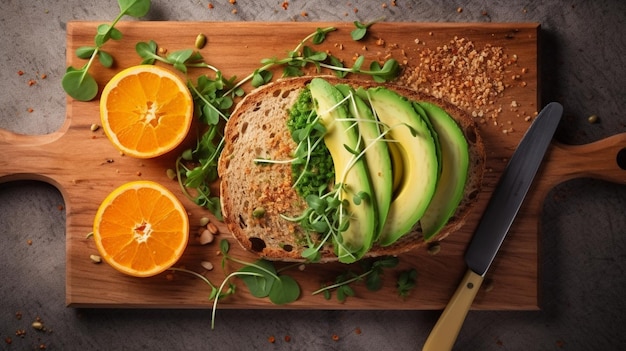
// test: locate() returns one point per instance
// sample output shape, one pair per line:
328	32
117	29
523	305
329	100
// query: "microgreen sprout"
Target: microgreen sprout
204	173
78	82
407	280
260	277
180	59
196	169
372	274
360	30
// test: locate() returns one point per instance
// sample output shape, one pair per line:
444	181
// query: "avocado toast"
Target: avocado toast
397	157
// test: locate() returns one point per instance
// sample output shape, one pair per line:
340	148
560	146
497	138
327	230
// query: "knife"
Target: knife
501	210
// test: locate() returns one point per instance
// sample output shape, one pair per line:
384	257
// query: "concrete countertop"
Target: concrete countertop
583	258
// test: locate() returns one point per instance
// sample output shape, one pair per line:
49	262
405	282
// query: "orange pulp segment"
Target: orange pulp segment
141	229
146	111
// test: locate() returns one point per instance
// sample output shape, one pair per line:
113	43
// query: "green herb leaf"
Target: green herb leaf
291	71
115	33
147	51
311	54
311	254
102	34
374	281
358	33
358	63
260	282
320	36
407	280
360	30
224	246
388	262
134	8
79	84
261	77
284	290
85	52
105	59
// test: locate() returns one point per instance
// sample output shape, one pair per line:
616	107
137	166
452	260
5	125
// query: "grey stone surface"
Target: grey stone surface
583	57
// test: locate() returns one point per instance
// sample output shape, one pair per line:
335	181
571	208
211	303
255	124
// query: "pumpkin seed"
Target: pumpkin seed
258	212
204	221
200	41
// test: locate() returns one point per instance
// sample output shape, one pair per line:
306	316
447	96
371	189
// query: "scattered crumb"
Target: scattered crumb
560	343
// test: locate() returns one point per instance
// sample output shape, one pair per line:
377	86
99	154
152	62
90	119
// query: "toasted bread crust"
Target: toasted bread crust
257	129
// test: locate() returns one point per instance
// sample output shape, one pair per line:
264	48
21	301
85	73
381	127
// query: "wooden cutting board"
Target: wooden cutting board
84	166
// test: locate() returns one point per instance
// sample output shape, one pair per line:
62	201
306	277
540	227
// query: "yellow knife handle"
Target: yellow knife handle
443	336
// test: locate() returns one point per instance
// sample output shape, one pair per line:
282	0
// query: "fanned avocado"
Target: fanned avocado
342	140
455	165
376	153
420	169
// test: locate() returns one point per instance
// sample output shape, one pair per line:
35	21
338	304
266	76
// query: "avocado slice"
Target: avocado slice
377	155
413	137
433	132
455	165
350	170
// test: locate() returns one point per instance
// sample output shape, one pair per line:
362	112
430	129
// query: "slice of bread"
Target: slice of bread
257	128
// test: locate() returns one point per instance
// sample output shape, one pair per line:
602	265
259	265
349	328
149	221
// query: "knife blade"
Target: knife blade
495	223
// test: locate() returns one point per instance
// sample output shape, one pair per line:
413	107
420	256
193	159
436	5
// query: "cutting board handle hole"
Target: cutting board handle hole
621	158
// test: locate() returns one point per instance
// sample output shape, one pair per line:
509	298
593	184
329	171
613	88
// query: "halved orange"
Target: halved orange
141	228
146	110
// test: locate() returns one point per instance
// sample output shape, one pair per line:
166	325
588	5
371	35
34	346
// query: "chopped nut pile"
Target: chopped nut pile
469	77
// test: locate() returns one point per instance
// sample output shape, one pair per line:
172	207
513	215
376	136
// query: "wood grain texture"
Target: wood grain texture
85	167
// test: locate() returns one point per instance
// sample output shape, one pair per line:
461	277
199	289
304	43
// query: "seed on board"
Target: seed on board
94	127
592	119
37	325
204	221
212	228
171	174
207	265
95	258
206	237
200	41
